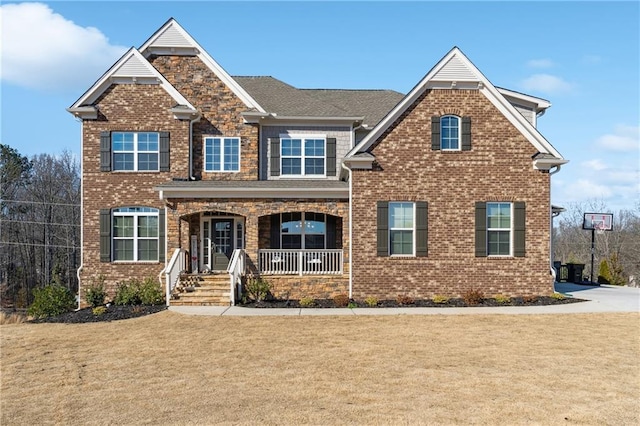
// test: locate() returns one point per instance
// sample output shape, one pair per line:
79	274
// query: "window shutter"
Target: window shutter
519	226
481	229
466	134
275	156
383	228
161	235
331	232
275	231
331	156
422	213
165	158
105	235
105	151
435	133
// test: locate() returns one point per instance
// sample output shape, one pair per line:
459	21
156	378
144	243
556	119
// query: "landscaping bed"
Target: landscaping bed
111	313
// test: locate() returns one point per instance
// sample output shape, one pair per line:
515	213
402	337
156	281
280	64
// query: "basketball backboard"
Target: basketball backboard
598	221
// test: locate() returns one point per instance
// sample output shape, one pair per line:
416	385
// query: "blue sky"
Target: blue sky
581	56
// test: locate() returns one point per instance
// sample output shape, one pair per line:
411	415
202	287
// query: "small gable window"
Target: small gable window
450	133
222	154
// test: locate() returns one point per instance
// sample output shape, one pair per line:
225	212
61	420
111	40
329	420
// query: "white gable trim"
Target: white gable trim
455	70
131	68
172	39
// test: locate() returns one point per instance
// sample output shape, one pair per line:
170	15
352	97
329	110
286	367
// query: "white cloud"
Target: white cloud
540	63
43	50
596	165
584	189
546	83
624	138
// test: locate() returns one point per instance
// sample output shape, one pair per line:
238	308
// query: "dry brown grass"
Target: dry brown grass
12	318
173	369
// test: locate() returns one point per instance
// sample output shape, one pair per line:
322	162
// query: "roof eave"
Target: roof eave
546	164
194	192
85	112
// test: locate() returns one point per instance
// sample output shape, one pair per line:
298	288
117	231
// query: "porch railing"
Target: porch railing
176	265
300	262
236	270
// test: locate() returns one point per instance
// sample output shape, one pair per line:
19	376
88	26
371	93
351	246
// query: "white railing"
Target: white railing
236	271
175	267
300	262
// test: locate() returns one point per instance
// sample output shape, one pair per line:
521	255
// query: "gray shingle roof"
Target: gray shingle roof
283	99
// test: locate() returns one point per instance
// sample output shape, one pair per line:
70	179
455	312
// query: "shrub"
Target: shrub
473	297
558	296
529	298
96	293
352	305
438	298
502	299
306	302
50	301
604	276
258	288
341	300
99	310
136	292
403	299
11	318
371	301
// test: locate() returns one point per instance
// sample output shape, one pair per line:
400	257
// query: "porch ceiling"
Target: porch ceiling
302	188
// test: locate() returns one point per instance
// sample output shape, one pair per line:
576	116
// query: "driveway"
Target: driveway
603	298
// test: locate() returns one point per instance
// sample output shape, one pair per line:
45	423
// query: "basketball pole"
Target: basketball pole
593	250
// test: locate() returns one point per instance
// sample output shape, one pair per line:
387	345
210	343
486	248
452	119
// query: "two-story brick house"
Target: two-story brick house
185	168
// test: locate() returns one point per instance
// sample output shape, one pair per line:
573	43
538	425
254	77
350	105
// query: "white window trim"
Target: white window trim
302	157
135	236
412	229
222	163
459	148
135	153
510	229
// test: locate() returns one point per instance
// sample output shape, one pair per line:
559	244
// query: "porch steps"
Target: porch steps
202	290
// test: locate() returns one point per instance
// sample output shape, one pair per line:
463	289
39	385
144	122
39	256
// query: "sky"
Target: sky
583	57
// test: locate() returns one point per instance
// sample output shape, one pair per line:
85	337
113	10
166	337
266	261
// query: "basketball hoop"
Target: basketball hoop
600	228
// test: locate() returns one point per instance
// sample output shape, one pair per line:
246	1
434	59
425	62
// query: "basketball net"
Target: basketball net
600	228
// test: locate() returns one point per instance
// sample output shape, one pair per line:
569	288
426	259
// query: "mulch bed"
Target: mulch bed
112	313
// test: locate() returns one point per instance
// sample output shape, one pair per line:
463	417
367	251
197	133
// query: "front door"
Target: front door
221	243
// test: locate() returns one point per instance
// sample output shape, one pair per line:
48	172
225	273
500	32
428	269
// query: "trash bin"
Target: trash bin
575	271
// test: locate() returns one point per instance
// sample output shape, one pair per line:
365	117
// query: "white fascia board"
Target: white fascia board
167	193
150	76
201	53
548	163
539	103
278	120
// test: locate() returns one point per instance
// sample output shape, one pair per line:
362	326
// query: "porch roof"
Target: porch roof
302	188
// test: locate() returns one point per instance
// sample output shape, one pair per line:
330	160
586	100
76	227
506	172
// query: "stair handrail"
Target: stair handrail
236	270
172	271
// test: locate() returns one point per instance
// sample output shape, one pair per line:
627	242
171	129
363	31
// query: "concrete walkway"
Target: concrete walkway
603	298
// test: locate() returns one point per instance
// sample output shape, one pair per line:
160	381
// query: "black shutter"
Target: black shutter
105	235
383	228
274	144
481	229
422	213
161	235
519	227
165	158
331	232
331	156
466	133
275	231
105	151
435	133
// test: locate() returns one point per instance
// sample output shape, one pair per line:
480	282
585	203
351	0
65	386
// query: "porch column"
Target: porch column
251	242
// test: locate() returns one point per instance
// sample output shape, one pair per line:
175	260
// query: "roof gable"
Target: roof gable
172	39
131	68
453	71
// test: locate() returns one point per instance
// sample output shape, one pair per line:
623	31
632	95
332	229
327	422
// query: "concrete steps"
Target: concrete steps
202	290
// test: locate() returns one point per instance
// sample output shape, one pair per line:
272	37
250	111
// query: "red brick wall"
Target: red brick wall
498	168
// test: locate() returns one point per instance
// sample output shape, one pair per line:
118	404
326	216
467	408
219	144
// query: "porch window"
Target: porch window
305	231
135	151
303	156
135	234
222	154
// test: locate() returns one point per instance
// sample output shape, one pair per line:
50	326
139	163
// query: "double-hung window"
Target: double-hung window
499	225
135	234
135	151
303	156
401	235
221	154
450	133
402	228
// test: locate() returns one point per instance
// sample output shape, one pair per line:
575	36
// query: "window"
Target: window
222	154
135	151
303	156
499	229
303	231
450	133
135	234
401	228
